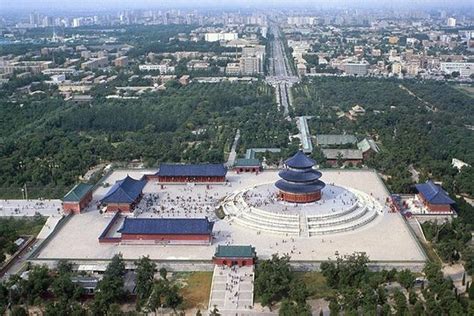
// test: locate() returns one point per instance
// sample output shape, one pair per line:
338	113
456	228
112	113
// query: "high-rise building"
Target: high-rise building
34	18
76	22
451	22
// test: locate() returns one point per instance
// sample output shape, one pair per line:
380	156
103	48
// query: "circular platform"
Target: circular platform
339	210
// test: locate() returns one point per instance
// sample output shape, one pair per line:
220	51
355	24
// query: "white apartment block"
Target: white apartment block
464	69
162	68
215	37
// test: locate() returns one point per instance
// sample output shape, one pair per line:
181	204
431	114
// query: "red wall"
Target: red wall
74	207
71	207
435	207
191	179
119	208
300	198
233	261
246	169
161	237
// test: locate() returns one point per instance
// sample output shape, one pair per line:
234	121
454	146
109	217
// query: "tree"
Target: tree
406	278
145	275
64	267
164	294
346	271
163	273
63	307
298	292
418	309
334	307
289	308
172	298
463	282
471	292
19	311
37	283
400	302
272	281
110	288
64	289
412	298
156	299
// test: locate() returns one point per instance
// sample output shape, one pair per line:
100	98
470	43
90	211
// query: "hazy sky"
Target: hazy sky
60	5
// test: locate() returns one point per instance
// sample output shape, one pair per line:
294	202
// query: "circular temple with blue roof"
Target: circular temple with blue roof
299	182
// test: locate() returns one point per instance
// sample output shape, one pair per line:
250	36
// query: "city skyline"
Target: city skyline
57	5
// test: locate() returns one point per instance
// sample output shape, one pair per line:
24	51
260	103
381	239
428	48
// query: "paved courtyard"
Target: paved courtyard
387	238
30	207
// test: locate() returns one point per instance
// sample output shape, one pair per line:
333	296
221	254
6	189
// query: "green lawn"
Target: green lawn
196	287
316	283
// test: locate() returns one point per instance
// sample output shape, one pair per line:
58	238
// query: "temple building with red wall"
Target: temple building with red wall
180	173
247	165
76	200
434	197
299	182
234	255
124	195
186	231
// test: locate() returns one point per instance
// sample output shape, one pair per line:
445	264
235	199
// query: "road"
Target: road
281	75
279	64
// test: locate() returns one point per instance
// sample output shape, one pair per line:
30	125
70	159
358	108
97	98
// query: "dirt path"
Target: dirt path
429	106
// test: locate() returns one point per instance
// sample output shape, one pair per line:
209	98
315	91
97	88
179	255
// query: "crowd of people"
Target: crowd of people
182	204
234	280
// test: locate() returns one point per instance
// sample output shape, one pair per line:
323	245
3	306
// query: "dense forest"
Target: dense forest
423	124
47	143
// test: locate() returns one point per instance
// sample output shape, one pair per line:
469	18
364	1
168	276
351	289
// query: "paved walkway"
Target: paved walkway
232	289
233	151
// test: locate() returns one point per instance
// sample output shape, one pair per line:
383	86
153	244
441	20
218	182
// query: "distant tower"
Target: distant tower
299	182
451	22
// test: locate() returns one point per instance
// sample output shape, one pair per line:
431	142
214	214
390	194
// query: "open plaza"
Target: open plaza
362	222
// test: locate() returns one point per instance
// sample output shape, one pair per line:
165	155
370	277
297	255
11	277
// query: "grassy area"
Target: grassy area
469	90
315	282
196	288
24	226
430	252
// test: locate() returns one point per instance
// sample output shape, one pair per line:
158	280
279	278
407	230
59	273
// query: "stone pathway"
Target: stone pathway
232	289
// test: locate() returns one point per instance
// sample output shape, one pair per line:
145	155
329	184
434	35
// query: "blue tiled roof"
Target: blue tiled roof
294	176
433	193
126	190
170	226
300	188
299	161
201	170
